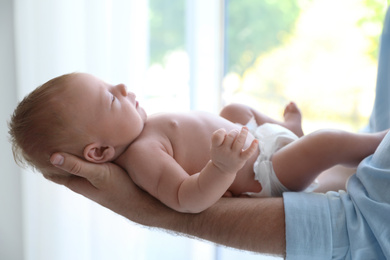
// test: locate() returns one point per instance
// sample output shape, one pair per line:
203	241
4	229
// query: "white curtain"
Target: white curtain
110	40
107	39
11	246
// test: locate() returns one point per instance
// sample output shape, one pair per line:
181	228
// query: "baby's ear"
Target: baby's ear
99	154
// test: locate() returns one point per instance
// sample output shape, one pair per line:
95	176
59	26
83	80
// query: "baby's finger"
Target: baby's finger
247	153
239	143
230	138
218	137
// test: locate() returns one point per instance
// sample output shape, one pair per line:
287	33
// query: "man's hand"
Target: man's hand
256	225
110	186
227	150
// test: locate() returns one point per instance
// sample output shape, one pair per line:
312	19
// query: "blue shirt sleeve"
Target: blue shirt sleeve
344	225
353	224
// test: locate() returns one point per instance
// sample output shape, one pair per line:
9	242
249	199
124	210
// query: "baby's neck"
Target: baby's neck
119	151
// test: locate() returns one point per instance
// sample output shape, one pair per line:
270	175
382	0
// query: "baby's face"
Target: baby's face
106	112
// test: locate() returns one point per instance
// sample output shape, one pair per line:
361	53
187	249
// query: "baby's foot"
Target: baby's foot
293	119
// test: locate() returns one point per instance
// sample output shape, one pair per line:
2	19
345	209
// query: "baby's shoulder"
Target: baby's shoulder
146	146
143	159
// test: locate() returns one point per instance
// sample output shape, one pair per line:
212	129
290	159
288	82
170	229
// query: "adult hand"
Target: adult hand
110	186
249	224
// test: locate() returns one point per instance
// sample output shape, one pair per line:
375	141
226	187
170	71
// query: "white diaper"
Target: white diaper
271	138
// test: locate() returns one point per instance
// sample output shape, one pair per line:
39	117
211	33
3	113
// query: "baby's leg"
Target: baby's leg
299	163
238	113
334	178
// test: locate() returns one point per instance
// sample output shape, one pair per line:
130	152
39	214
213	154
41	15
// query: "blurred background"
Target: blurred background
176	55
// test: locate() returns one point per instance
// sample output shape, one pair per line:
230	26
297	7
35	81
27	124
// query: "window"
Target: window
185	52
319	53
167	78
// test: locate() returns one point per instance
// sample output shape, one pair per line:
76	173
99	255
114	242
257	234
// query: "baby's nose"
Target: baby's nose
122	88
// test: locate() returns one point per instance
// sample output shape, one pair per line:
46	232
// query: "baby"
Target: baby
186	160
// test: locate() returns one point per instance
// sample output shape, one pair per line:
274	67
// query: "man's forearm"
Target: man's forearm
251	224
245	223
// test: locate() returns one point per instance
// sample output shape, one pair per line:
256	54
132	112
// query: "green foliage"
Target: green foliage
254	27
376	10
167	27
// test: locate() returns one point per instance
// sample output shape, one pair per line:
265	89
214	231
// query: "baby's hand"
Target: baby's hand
227	150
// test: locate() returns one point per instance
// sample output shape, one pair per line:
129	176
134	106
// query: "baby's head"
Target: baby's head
75	113
40	125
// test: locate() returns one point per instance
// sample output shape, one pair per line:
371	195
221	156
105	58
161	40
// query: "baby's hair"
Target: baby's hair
38	125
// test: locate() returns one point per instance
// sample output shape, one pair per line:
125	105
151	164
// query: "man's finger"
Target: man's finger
59	179
78	167
82	186
74	165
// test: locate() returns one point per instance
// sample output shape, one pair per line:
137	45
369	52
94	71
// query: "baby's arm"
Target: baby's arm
166	180
202	190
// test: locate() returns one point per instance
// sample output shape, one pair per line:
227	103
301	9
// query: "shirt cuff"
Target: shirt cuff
308	226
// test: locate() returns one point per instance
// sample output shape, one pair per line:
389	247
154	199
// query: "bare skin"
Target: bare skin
167	143
256	225
190	160
298	164
223	222
165	138
241	114
293	119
